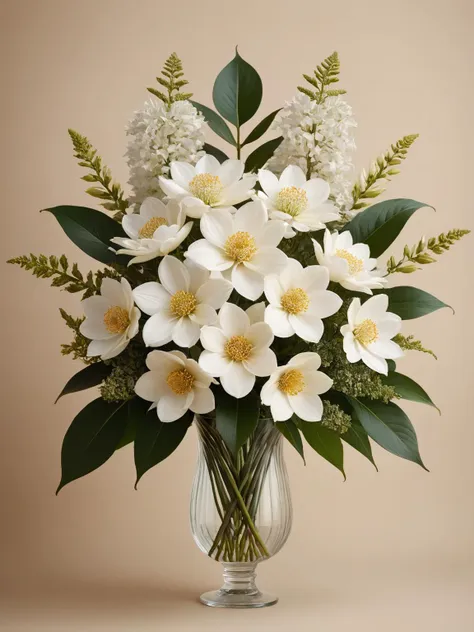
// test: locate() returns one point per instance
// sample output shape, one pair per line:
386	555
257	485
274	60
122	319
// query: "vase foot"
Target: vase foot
234	599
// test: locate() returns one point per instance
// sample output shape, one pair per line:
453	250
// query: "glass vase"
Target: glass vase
240	509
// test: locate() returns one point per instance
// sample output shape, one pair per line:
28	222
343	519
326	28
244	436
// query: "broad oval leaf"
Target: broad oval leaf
290	431
236	419
379	225
155	440
237	91
389	426
216	152
90	230
91	439
260	129
325	442
357	437
215	122
408	388
260	156
90	376
410	302
136	408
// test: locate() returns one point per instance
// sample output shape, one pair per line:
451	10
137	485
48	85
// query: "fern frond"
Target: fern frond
408	343
172	81
324	76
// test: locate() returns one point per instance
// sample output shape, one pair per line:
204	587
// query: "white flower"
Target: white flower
321	134
155	231
160	135
111	319
208	185
175	384
236	351
349	264
299	299
301	203
243	247
295	389
184	300
368	334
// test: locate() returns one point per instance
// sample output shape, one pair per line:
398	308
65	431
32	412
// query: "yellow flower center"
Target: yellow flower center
180	381
295	301
240	246
366	332
148	230
356	265
182	304
291	382
207	188
116	320
238	348
292	200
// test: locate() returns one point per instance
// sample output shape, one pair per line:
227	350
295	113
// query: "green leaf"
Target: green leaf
410	302
90	230
260	156
236	419
216	152
261	128
215	122
237	91
379	225
326	442
290	431
357	437
136	409
389	426
88	377
91	439
155	440
408	388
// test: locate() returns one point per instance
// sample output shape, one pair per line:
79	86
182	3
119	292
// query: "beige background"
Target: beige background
387	551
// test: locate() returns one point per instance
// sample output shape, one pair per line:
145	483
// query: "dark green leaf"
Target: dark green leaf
236	419
91	439
155	440
257	159
237	91
88	377
215	122
388	426
326	442
357	437
136	409
379	225
90	230
290	431
408	388
410	302
391	365
216	152
260	129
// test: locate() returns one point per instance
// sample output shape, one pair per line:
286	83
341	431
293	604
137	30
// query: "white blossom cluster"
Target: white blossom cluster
318	137
159	136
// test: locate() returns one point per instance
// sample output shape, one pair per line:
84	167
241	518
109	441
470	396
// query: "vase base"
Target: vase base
235	599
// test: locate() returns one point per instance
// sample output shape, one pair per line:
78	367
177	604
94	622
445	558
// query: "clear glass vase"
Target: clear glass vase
240	509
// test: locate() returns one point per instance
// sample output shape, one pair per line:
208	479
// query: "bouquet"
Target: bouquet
249	295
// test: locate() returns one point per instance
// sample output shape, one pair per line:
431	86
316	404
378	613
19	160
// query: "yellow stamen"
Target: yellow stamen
240	246
356	265
147	230
116	320
292	200
295	301
182	304
366	332
238	348
291	382
207	188
180	381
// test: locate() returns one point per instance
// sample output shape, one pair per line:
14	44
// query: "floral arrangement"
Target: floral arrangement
237	292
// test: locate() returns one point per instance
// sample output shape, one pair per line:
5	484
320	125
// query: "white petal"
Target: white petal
216	226
314	278
307	406
292	176
152	207
215	364
389	327
158	329
238	192
151	297
351	347
280	407
237	381
95	306
186	332
279	322
373	309
207	164
164	362
267	261
270	388
204	315
287	277
182	173
324	303
132	224
203	401
273	232
208	256
250	217
272	288
194	207
107	349
172	407
170	188
307	327
374	362
386	349
197	276
310	360
93	327
256	312
151	386
317	191
214	292
230	171
247	282
261	363
113	291
260	335
317	382
353	311
233	320
174	275
268	182
213	339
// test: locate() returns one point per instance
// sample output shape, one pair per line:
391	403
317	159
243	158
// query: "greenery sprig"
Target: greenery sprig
79	344
172	80
408	343
100	174
421	252
382	169
323	77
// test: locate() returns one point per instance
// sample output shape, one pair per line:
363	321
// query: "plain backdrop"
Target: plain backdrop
391	550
